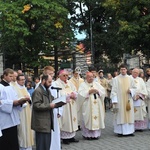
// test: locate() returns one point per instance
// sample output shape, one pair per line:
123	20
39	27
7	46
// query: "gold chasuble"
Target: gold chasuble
92	108
76	82
25	134
68	121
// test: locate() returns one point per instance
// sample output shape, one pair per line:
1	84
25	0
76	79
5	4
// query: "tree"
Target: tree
99	27
118	26
30	29
133	21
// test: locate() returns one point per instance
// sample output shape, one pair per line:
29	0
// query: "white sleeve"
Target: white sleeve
114	99
6	106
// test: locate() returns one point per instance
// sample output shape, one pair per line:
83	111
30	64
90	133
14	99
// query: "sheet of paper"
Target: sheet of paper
137	102
60	99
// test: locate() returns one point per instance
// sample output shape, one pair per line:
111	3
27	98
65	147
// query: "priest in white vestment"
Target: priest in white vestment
68	121
9	112
25	134
140	112
122	89
148	97
92	107
76	81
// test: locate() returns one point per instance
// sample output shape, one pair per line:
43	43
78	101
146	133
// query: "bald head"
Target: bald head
15	76
89	77
135	72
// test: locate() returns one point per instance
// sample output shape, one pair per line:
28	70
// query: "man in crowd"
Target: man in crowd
19	72
25	134
55	134
42	114
110	81
68	121
139	103
104	83
13	82
122	89
148	97
76	80
92	107
95	74
9	112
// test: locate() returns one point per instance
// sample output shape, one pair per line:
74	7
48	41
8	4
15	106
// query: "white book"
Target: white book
59	101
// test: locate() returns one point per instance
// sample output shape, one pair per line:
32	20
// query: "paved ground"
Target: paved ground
109	141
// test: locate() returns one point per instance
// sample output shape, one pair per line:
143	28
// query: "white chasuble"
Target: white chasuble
139	105
69	120
92	108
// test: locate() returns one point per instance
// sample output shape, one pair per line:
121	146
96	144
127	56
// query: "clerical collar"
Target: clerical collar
90	84
4	83
76	78
64	82
21	86
123	75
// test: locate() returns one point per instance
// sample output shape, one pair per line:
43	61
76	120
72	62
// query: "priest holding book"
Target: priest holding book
68	121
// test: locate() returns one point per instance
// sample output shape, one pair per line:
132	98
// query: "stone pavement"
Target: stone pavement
109	141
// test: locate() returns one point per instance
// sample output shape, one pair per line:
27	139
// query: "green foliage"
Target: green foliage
31	27
118	26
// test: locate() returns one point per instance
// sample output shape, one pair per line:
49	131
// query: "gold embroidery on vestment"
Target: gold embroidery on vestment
95	117
95	102
74	119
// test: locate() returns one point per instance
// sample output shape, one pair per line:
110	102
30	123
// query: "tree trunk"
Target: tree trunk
35	71
56	61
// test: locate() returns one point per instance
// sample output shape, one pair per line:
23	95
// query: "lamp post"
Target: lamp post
91	38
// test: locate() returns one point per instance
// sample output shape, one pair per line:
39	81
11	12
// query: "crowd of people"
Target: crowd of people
47	112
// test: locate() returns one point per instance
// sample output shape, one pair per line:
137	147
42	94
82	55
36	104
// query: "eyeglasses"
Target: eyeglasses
65	75
22	79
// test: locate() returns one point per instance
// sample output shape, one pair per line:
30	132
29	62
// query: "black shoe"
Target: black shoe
130	135
139	130
120	135
79	128
73	140
94	138
66	141
87	138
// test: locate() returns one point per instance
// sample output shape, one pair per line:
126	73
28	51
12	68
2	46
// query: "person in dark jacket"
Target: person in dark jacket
42	113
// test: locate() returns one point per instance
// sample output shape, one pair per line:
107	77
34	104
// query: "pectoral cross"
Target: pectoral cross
95	102
95	117
74	119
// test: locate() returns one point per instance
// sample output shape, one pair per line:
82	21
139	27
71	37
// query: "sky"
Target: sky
80	36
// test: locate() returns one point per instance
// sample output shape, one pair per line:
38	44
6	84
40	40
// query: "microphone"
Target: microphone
56	88
94	96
